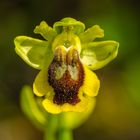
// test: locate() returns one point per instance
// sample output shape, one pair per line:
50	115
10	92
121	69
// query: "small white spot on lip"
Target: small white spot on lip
60	71
73	72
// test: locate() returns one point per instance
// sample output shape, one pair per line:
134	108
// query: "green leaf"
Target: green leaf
46	31
31	109
97	54
91	33
35	52
77	26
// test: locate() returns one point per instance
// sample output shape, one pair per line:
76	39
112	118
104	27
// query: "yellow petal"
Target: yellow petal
41	86
91	83
56	109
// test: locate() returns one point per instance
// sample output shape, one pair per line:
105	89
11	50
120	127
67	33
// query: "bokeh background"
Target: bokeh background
117	113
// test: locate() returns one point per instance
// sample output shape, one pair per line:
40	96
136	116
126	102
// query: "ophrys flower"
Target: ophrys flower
66	59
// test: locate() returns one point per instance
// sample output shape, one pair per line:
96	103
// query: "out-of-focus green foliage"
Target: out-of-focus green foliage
117	112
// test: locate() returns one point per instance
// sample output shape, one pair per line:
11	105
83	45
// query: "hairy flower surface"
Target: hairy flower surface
66	59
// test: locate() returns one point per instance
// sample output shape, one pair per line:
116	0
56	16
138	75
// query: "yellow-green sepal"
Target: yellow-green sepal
98	54
77	26
34	52
46	31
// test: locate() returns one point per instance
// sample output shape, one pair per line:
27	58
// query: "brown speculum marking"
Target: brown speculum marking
65	75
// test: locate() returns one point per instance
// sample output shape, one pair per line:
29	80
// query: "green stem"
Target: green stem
50	131
65	134
56	129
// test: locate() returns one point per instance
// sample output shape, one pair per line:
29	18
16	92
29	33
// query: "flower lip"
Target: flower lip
65	75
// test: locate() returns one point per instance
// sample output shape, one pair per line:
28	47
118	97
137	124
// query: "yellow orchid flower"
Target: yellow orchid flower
66	59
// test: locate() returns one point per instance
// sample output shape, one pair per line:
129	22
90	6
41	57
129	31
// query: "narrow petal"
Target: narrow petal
46	31
41	86
97	54
35	52
91	83
91	34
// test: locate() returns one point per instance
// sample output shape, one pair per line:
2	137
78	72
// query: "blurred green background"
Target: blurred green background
117	113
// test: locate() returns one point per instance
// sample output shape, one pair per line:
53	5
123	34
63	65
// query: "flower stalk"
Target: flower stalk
51	128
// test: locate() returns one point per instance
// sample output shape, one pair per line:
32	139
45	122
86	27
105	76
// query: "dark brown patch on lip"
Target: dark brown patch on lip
66	88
